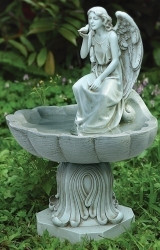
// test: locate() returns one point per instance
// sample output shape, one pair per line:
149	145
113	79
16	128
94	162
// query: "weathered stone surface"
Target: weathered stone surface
84	191
45	132
90	228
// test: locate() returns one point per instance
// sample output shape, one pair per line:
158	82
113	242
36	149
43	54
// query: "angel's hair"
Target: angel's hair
101	12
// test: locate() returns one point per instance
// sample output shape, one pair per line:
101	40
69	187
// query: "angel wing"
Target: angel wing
131	46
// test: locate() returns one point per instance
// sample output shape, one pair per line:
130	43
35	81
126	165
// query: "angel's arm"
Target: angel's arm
87	40
115	56
84	48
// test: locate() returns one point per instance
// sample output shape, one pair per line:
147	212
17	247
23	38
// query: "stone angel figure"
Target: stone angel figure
115	55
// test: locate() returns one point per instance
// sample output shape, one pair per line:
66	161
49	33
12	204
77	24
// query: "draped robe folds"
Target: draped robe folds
99	110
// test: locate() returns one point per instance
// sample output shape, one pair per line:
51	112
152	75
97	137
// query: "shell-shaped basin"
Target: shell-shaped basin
45	132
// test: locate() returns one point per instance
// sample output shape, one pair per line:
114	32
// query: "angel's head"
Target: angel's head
101	13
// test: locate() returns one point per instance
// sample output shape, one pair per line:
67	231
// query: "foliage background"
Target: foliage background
39	65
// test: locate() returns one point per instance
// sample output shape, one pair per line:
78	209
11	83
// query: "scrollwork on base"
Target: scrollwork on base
85	191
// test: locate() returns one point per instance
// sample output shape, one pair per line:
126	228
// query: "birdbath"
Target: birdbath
110	123
86	204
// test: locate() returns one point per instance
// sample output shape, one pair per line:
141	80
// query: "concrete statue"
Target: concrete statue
111	123
116	55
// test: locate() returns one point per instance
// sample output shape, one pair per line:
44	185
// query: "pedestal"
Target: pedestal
90	229
85	205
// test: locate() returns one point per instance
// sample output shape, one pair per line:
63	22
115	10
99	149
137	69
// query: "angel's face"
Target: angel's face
95	22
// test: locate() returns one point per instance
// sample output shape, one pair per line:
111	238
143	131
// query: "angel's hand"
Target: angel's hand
82	34
96	84
83	31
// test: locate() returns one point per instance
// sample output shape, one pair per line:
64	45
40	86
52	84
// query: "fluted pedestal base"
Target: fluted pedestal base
90	228
85	204
84	191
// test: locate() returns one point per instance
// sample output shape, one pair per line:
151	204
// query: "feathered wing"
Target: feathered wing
131	46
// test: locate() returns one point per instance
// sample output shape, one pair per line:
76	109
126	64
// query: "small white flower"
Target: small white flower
70	81
7	85
25	77
64	79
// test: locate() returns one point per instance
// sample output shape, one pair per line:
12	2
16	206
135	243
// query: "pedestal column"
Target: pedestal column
85	204
85	191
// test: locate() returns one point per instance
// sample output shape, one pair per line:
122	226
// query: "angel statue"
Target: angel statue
116	55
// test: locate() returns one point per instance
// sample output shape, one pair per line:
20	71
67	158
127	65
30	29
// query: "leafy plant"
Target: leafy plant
37	31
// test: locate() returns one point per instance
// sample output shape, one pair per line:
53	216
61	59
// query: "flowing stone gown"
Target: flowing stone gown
99	110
